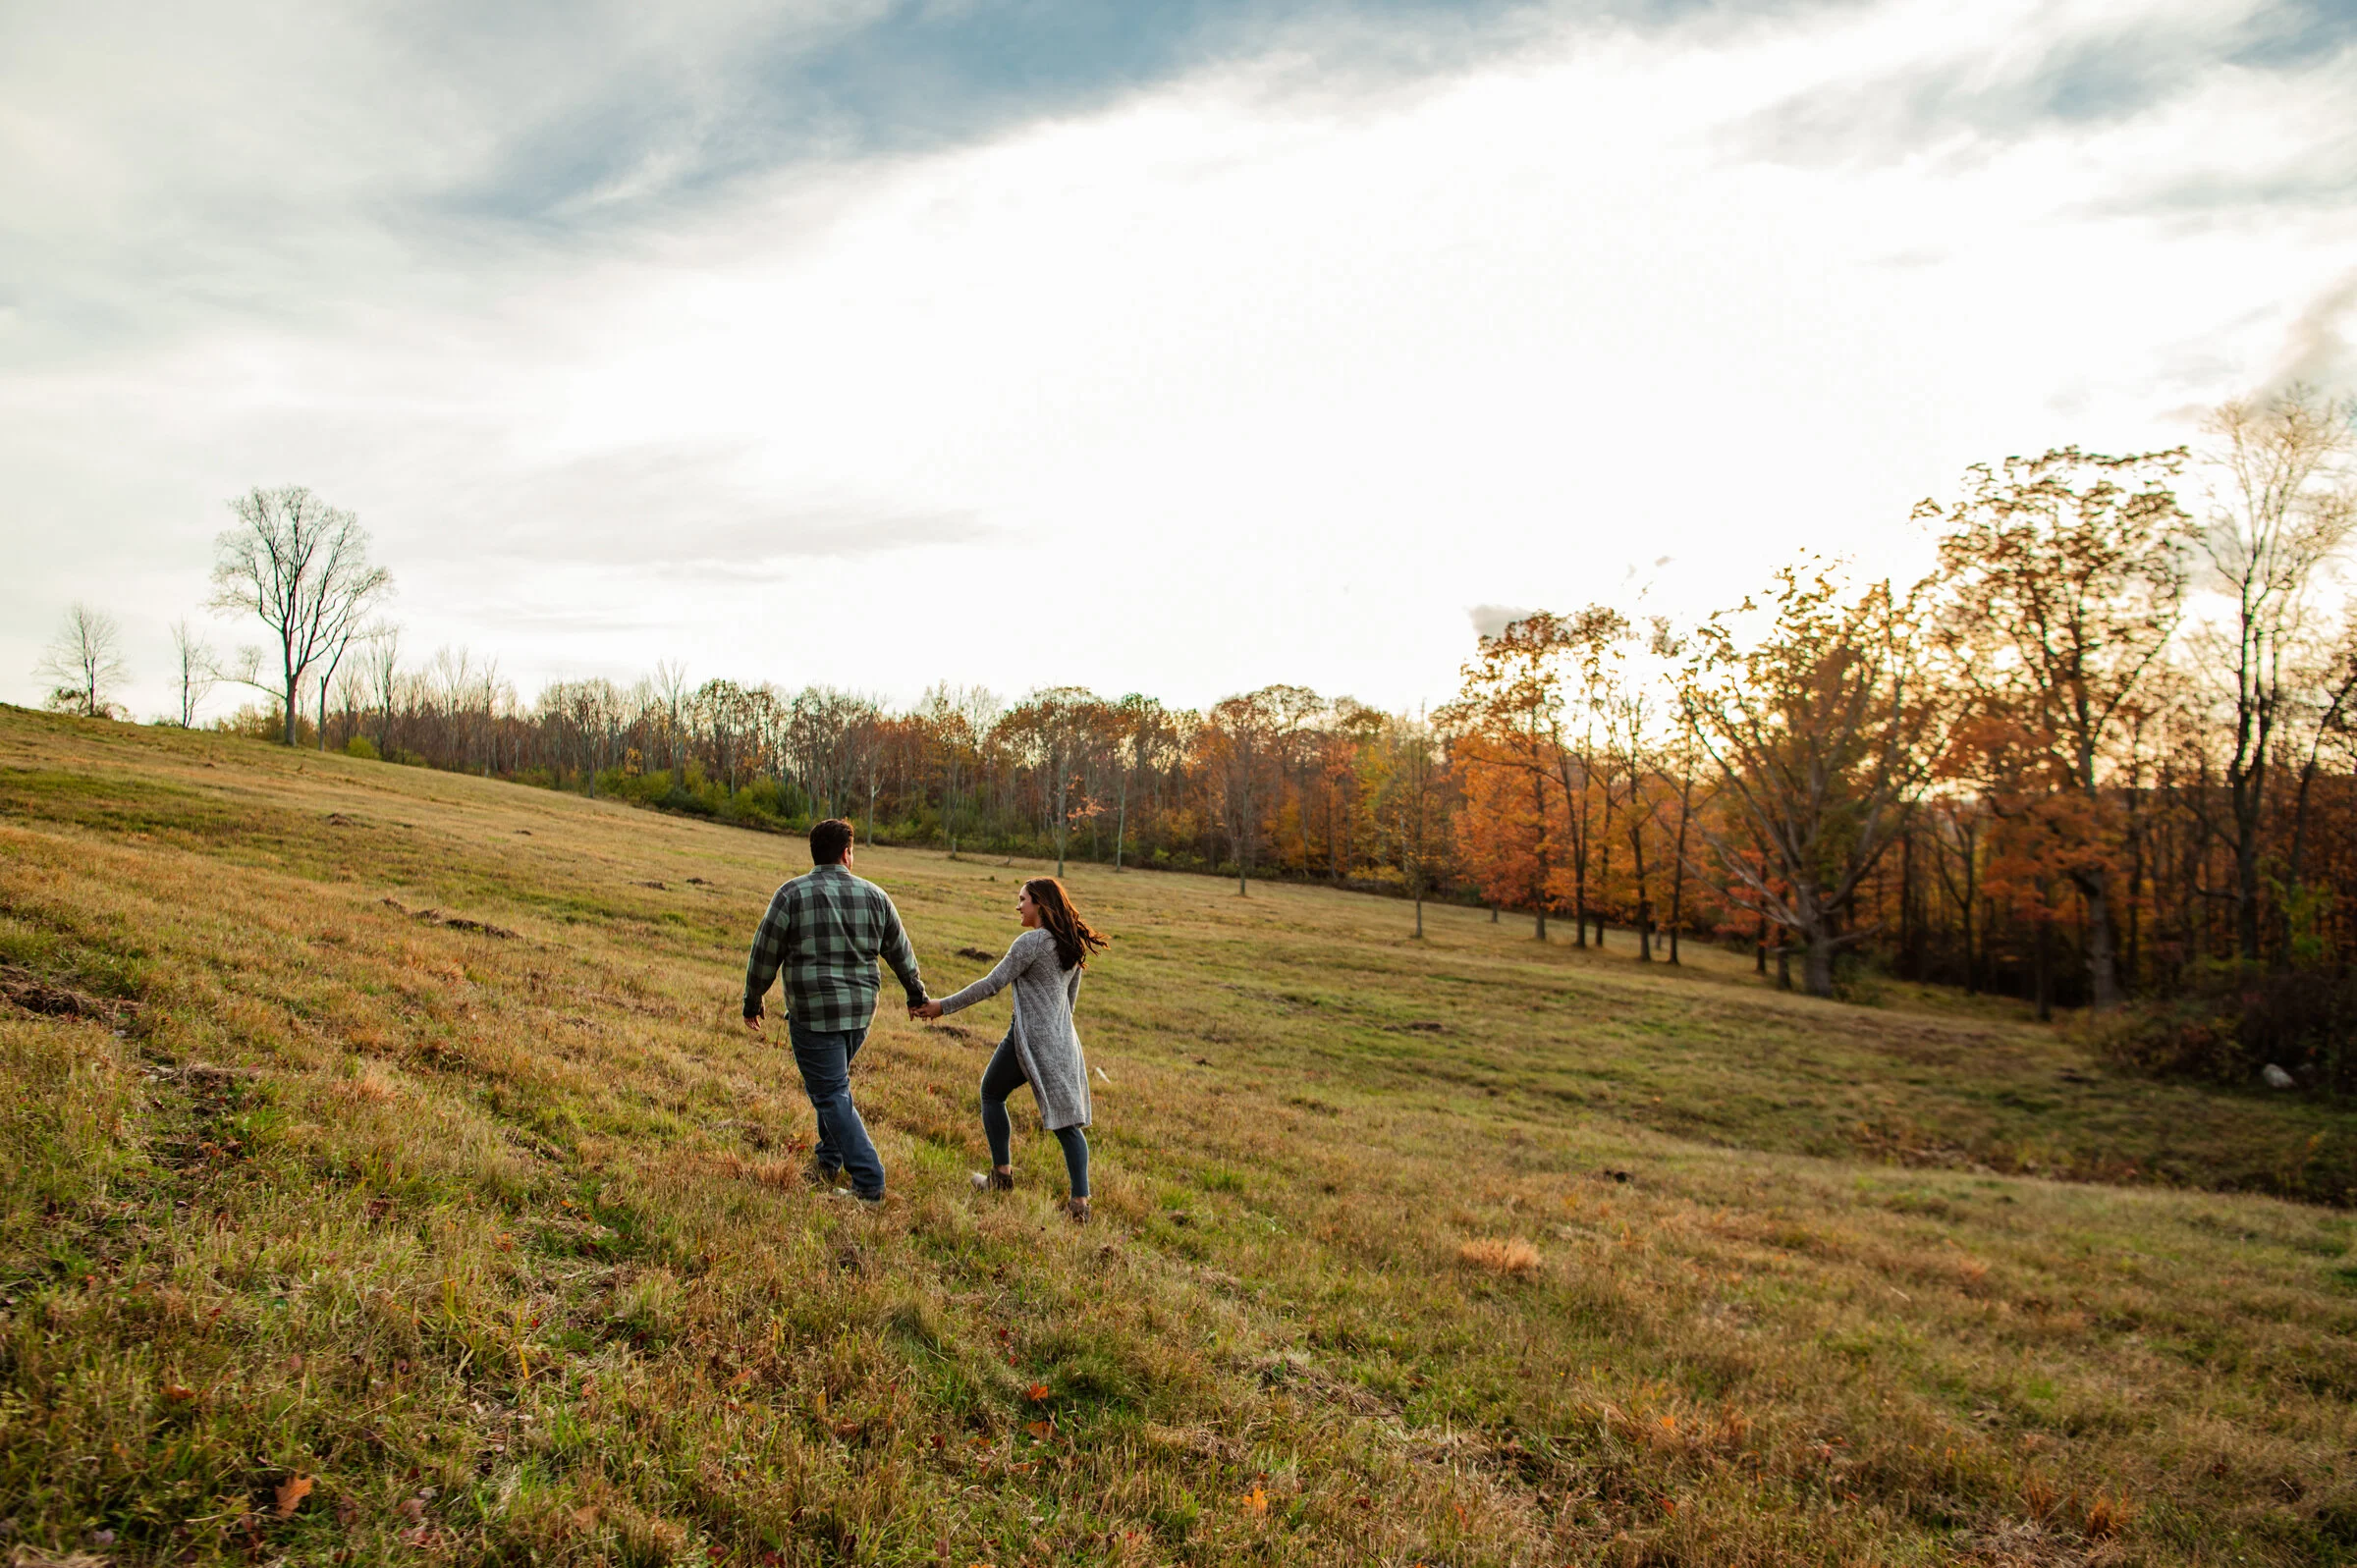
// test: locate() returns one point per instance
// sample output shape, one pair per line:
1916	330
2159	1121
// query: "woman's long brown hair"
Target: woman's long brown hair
1075	940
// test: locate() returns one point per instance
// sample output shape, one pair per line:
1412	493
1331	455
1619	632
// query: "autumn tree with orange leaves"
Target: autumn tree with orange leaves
2062	579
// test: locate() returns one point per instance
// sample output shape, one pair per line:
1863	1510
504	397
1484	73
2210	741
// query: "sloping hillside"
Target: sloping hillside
385	1177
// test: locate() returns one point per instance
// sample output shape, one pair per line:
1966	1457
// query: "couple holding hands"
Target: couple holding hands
824	931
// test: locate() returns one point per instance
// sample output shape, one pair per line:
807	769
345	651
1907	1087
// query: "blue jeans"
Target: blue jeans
824	1056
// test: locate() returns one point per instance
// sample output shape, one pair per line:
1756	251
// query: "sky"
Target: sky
1178	349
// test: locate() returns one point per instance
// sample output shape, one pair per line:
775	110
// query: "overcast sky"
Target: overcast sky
1181	347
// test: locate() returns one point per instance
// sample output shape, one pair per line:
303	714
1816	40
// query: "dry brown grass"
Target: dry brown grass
1499	1256
495	1239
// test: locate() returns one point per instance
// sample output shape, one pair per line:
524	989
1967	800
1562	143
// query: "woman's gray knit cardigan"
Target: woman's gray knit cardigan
1042	1033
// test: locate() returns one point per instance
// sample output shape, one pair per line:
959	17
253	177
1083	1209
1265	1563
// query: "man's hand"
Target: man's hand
927	1011
753	1025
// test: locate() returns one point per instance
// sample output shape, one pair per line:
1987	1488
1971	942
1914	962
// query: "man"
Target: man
828	929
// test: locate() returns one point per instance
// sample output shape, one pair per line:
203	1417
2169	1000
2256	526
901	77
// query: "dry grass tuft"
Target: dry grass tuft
2108	1516
1499	1256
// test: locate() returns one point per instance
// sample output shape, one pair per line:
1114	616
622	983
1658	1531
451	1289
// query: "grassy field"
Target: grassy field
384	1178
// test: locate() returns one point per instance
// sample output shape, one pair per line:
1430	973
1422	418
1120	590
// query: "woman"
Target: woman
1042	1048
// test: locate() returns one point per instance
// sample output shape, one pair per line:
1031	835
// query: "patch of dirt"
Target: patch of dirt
32	993
435	917
978	955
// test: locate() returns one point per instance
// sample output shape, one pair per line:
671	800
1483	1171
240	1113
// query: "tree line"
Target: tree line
2106	747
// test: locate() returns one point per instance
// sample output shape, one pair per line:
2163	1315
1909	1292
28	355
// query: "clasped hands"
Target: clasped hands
927	1011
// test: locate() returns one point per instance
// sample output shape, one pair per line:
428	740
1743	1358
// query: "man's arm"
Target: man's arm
896	953
769	952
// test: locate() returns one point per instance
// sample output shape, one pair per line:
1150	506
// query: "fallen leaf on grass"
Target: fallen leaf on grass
1042	1430
291	1493
1256	1501
1036	1393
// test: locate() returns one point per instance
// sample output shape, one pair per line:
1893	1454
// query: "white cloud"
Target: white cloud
1237	378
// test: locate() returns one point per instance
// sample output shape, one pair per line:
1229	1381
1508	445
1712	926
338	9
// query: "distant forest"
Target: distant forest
2105	751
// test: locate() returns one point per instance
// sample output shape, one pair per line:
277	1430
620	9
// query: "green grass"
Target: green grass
498	1242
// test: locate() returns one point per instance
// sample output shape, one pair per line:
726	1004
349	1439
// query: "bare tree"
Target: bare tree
302	567
86	659
2283	504
671	697
380	673
332	656
194	664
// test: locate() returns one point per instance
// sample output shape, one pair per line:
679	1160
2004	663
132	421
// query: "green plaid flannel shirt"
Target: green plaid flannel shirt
827	930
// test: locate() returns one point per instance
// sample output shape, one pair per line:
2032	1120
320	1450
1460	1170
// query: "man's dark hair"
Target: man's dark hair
828	840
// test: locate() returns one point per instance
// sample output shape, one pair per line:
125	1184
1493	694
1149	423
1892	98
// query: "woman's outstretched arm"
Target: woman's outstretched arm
1018	959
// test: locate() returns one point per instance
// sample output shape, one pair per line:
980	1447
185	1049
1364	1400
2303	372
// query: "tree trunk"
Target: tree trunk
2296	864
1539	893
2038	963
1636	852
1820	965
2103	951
1906	902
1604	857
2132	959
1677	862
2246	894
